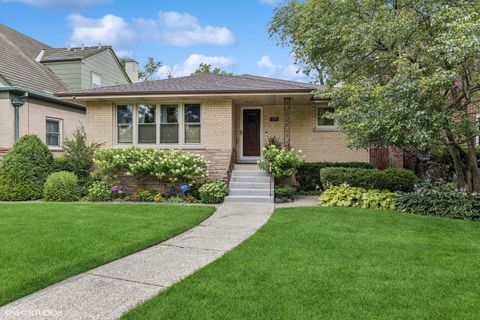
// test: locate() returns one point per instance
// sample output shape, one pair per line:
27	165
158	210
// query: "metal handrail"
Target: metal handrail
231	166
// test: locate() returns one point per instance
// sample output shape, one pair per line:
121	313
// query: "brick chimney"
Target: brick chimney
131	68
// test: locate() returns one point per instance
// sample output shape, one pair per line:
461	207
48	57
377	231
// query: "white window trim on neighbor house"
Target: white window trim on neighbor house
323	127
60	133
181	126
96	80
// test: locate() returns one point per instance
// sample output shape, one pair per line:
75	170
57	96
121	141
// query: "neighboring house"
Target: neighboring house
31	71
225	118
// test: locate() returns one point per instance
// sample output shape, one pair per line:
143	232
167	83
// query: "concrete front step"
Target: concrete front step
249	173
246	167
255	199
249	185
258	179
250	192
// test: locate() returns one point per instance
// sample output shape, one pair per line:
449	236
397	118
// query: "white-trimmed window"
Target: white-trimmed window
166	124
169	124
323	122
124	123
192	126
96	80
53	131
147	128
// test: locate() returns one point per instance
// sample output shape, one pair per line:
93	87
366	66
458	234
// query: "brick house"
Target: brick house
227	119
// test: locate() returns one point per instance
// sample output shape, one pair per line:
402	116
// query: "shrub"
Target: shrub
275	141
213	192
345	196
342	196
99	191
379	199
280	162
175	165
61	164
284	194
24	170
143	195
61	186
79	154
390	179
308	174
441	200
399	179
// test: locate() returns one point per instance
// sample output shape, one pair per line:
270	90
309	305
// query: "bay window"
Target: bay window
168	124
125	124
147	129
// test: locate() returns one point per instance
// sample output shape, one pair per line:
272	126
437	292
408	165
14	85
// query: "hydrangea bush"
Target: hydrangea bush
280	162
174	165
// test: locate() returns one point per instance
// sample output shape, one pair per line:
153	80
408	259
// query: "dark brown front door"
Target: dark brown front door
251	132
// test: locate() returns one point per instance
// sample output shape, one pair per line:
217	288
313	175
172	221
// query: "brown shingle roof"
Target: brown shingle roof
201	84
18	66
57	54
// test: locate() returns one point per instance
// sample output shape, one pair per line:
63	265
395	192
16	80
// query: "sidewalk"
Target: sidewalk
110	290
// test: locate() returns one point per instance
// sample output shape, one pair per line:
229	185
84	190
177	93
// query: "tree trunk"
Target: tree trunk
462	178
473	165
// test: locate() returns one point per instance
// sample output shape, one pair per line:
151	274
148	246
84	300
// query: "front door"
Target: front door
251	132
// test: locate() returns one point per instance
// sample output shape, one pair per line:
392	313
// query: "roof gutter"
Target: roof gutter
42	96
122	95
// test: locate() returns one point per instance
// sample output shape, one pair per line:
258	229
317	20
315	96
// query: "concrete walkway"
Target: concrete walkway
300	201
110	290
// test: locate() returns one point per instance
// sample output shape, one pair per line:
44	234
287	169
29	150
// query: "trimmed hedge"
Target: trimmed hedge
390	179
61	186
308	174
24	170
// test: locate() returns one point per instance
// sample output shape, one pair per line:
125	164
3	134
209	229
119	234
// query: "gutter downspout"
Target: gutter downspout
17	103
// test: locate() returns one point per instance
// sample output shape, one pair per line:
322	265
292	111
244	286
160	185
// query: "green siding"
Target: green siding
68	72
106	66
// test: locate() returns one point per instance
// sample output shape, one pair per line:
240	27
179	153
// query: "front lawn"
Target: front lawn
336	263
43	243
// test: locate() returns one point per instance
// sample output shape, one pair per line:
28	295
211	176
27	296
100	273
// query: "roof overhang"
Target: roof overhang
179	94
42	96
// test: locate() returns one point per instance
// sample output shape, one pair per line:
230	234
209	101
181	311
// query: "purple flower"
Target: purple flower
118	189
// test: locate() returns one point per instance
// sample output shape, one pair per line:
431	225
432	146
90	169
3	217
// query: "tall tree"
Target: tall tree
409	70
150	69
204	68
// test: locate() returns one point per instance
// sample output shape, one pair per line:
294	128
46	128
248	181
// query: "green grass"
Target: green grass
336	263
43	243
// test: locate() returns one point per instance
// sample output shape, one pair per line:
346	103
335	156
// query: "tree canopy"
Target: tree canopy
408	69
204	68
